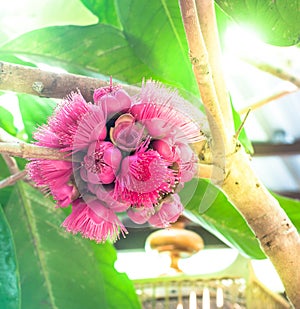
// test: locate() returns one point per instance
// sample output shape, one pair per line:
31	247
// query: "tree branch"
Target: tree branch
199	58
22	79
209	30
276	71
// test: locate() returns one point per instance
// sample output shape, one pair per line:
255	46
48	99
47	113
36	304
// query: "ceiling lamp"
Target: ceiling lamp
235	287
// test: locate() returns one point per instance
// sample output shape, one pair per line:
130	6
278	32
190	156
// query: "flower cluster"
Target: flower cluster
126	154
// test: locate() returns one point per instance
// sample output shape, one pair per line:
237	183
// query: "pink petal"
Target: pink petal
167	151
92	127
64	195
113	103
140	215
169	212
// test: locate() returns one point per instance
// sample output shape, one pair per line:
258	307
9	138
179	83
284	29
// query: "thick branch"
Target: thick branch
277	235
34	81
209	29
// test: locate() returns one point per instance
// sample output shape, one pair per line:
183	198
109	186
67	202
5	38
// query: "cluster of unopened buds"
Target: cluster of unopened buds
125	154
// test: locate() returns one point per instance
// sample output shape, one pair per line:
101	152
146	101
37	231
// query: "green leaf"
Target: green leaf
151	44
58	269
291	207
220	217
155	31
277	22
34	111
9	275
116	291
105	10
98	48
4	192
7	121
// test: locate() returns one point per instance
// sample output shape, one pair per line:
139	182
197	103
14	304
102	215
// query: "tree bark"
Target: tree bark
48	84
277	235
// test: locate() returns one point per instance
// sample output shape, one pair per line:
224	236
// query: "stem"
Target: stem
267	100
22	79
11	180
209	29
276	71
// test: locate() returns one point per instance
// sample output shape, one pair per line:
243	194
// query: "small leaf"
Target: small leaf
7	121
34	111
277	22
105	10
9	275
58	269
291	207
220	217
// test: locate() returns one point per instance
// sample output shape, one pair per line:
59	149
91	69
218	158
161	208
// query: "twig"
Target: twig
209	29
238	132
22	79
276	71
13	146
11	163
11	180
267	100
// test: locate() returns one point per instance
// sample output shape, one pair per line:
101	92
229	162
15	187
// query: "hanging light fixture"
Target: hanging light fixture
232	288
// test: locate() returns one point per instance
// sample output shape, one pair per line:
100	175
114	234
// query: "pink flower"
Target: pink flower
180	153
168	212
144	178
127	134
162	112
55	175
128	154
62	126
101	163
94	221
